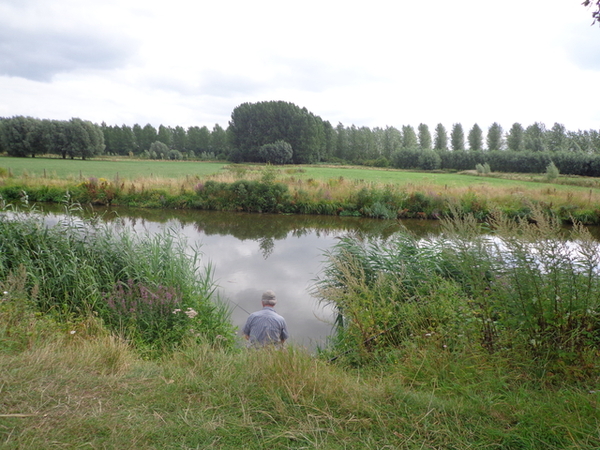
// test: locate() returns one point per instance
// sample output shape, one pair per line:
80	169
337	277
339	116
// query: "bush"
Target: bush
279	152
551	172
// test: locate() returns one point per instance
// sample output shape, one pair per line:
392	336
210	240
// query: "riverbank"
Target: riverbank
360	192
73	387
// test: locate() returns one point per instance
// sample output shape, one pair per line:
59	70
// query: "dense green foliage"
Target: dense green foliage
253	125
523	291
147	289
26	136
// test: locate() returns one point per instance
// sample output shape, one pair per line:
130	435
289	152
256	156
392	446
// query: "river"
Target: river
251	253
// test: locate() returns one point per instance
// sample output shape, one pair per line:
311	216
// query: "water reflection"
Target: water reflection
251	253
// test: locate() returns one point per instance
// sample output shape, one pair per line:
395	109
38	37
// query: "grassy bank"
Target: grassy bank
91	390
361	192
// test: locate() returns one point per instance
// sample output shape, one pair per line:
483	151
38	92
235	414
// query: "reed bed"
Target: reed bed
151	290
520	289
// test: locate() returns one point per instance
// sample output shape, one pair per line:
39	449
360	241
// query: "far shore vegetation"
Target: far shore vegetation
302	189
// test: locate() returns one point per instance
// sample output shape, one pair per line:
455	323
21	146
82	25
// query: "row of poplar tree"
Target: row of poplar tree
294	135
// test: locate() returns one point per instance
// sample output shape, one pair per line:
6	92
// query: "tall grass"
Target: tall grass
313	190
520	289
149	289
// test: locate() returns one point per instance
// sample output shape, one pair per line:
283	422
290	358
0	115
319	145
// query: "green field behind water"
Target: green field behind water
132	169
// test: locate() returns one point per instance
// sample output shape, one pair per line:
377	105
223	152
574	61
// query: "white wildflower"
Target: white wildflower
191	313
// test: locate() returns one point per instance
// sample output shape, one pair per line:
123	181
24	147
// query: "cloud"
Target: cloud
37	43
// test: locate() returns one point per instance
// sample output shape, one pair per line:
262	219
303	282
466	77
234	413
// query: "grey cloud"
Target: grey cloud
282	73
39	55
219	84
318	76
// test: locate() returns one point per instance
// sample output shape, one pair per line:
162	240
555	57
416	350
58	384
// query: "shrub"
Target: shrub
551	172
279	152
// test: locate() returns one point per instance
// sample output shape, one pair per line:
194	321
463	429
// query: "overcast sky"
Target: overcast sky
374	63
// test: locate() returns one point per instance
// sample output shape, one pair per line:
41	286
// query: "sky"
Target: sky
375	64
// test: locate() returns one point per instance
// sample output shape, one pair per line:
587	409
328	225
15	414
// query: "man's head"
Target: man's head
268	298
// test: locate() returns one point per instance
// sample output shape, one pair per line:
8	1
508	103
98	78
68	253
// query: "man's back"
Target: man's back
265	327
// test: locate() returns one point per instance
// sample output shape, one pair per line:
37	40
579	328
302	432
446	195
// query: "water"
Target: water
251	253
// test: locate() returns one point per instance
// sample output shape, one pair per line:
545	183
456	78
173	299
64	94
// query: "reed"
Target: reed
525	290
152	290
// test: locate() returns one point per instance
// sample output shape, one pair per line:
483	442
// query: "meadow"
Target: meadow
332	190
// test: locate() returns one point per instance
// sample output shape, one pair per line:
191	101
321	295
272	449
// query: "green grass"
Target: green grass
109	169
89	391
132	169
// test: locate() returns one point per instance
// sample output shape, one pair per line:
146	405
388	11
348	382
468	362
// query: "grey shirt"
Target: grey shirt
265	327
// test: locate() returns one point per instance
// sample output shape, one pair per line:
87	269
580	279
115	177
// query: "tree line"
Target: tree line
282	132
28	137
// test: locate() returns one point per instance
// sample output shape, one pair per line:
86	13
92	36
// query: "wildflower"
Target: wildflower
73	331
175	311
191	313
5	292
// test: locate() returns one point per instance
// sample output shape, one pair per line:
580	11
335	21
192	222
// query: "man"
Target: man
266	327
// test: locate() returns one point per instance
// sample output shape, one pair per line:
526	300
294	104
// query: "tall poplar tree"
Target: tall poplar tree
424	137
457	137
475	138
441	138
409	137
515	139
494	137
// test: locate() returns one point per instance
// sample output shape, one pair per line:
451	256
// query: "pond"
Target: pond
251	253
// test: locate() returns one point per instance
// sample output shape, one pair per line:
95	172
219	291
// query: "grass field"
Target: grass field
316	189
132	169
109	169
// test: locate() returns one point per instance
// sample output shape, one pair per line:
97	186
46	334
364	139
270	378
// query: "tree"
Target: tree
179	139
515	140
16	135
392	141
219	140
409	137
494	137
441	138
253	125
198	139
147	137
595	11
457	137
424	137
279	152
557	138
535	137
475	138
158	150
84	139
165	135
342	145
